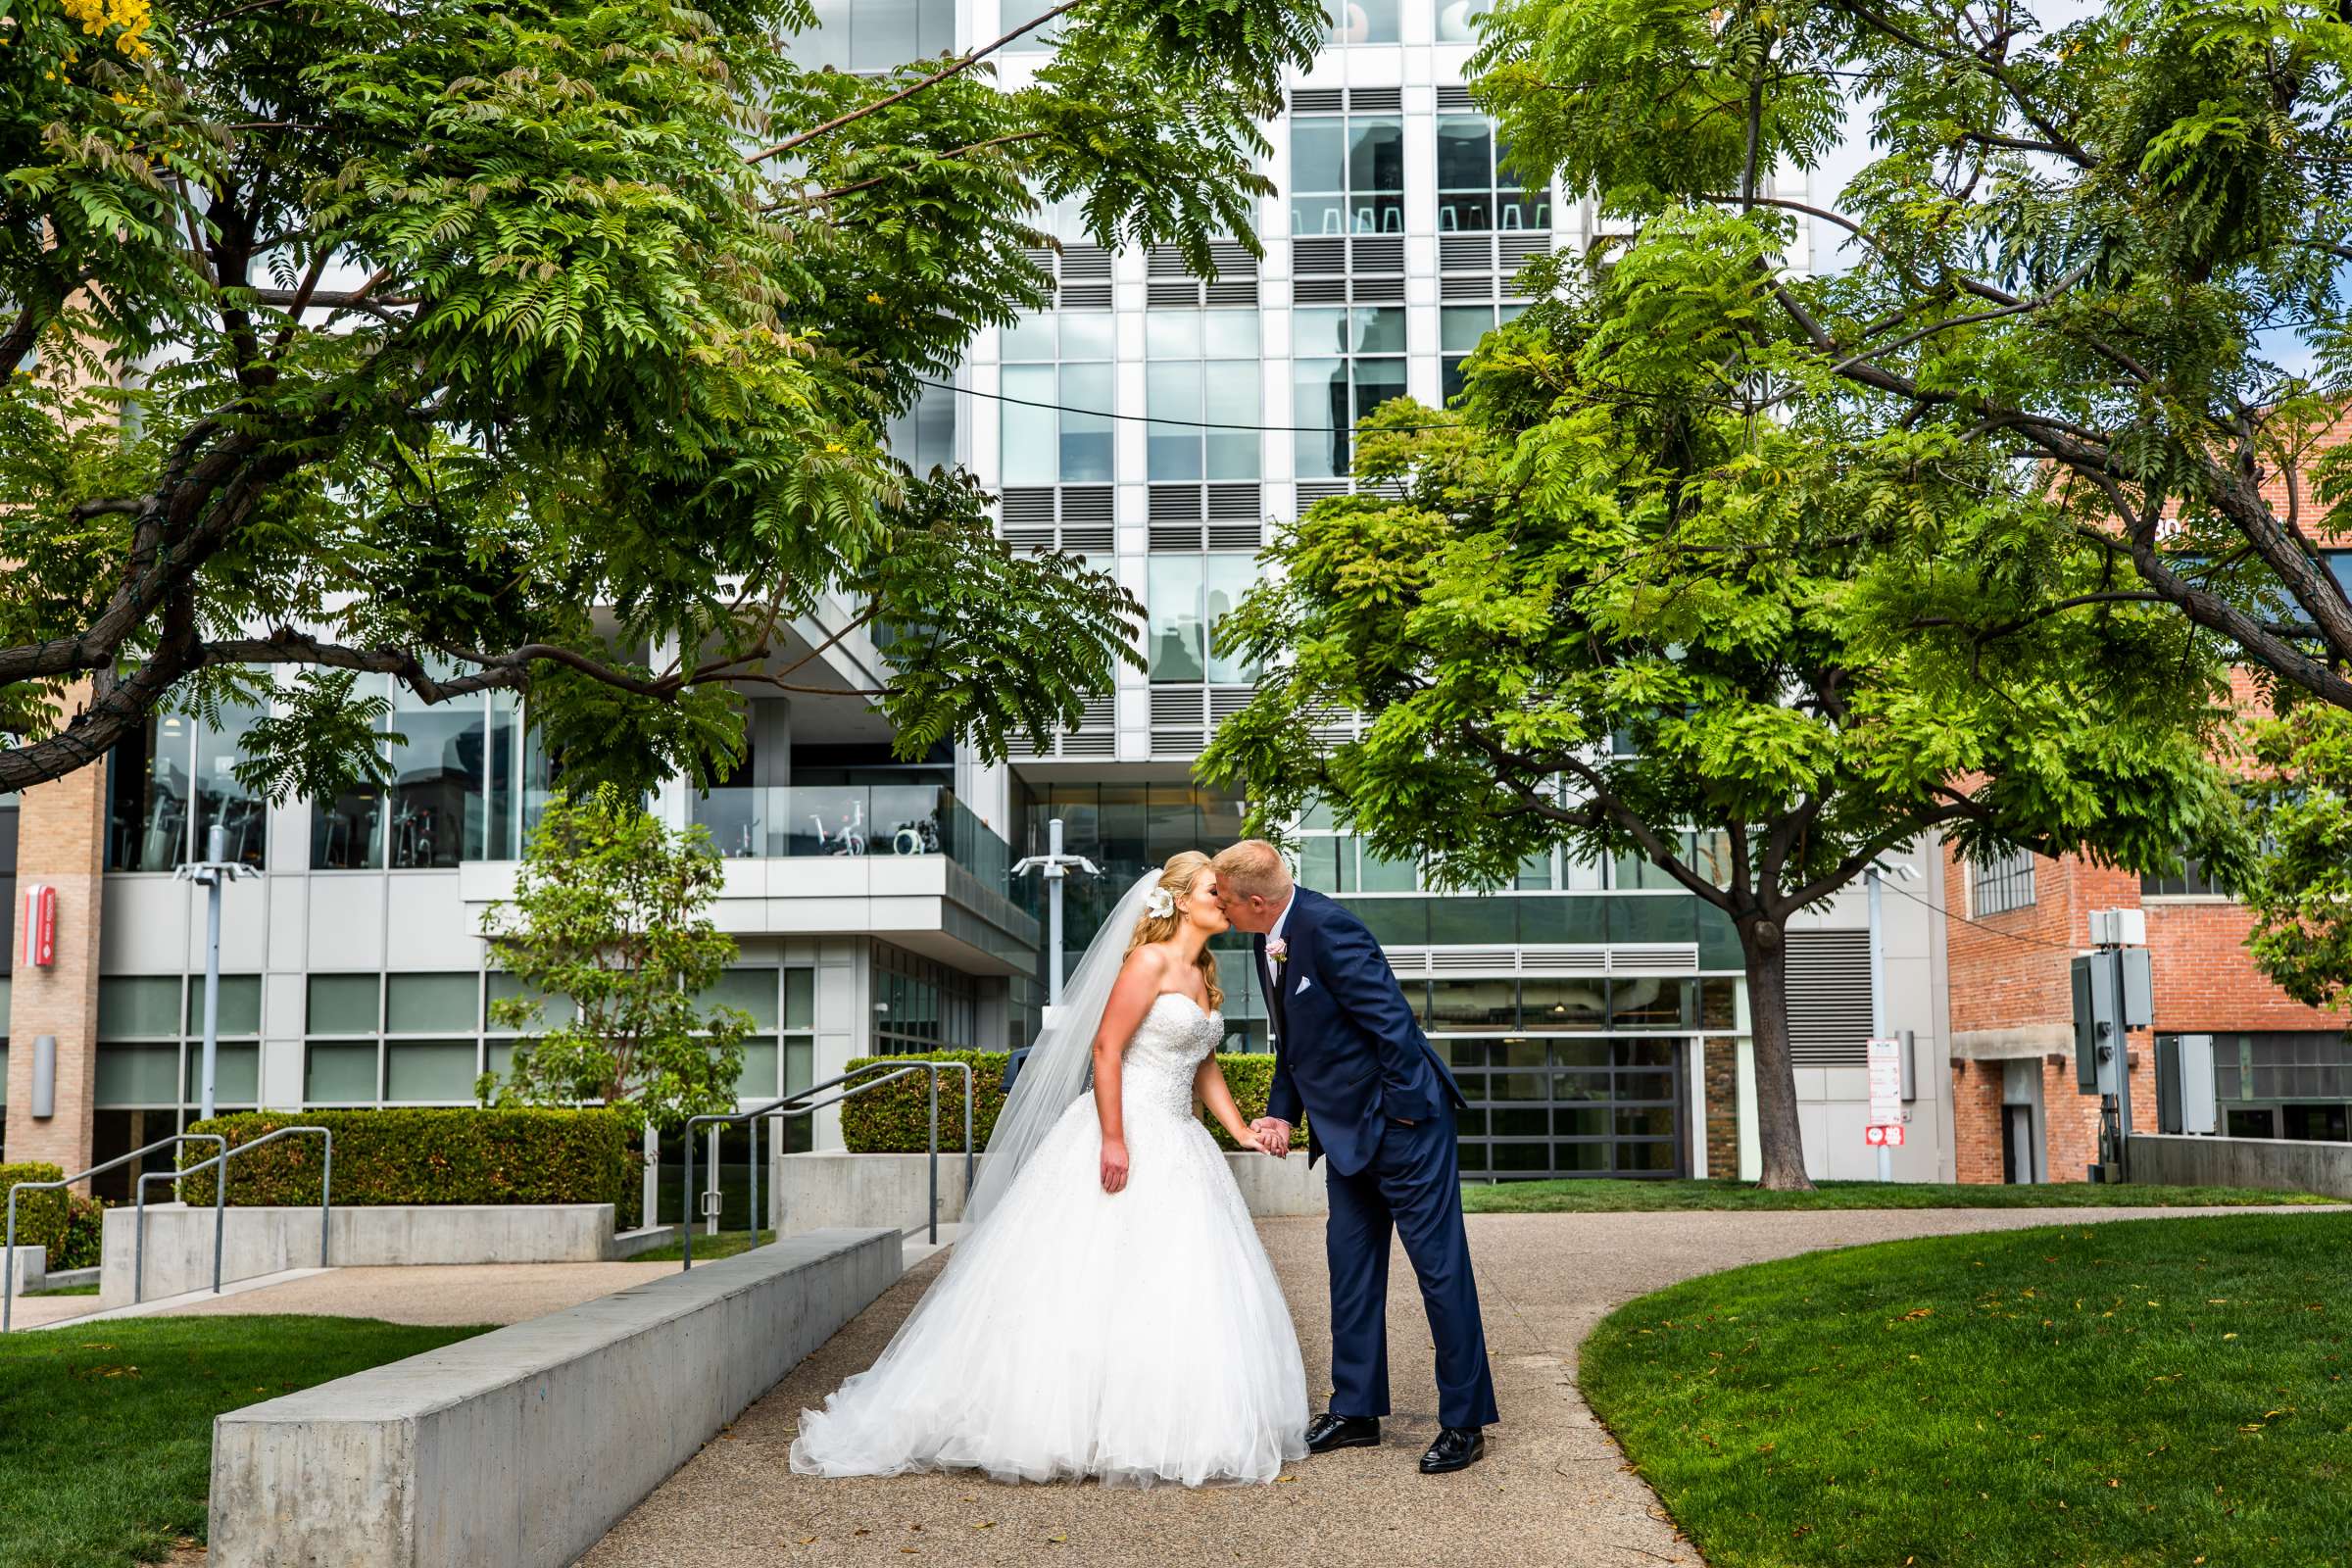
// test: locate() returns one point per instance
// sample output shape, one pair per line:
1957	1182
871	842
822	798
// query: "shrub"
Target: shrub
895	1119
85	1235
523	1155
42	1218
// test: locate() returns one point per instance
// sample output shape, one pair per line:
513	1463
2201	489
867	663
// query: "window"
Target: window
1459	329
1036	41
168	785
1474	197
924	437
1457	20
1203	366
467	783
2189	882
150	1080
1348	363
861	35
2002	883
1347	175
920	1005
1059	364
779	1054
1355	22
1189	596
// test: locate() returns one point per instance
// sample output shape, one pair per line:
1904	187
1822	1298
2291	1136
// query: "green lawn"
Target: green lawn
2126	1395
1619	1196
106	1432
63	1289
707	1249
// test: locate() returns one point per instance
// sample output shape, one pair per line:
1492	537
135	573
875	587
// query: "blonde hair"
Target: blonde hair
1254	870
1177	880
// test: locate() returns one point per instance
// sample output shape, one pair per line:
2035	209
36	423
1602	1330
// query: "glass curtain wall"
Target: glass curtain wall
467	783
1347	175
169	783
1187	596
1056	364
151	1065
1202	366
1348	362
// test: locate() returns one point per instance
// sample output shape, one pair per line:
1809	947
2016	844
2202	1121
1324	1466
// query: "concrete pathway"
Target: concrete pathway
1552	1490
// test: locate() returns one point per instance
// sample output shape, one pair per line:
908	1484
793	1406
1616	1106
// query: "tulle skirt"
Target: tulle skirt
1137	1338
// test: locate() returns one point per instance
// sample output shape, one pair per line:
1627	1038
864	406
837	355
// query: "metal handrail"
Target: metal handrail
138	1246
326	1178
792	1104
8	1258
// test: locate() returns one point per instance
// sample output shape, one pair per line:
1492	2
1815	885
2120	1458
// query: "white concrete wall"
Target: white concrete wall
264	1241
820	1191
523	1447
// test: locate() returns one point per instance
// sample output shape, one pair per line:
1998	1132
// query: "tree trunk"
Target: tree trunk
1780	1137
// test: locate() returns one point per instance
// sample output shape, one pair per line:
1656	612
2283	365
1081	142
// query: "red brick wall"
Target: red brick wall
1720	1067
1976	1120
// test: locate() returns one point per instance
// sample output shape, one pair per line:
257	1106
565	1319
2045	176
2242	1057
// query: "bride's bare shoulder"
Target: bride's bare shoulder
1151	959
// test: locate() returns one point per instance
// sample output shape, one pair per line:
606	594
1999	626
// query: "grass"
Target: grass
2124	1395
63	1289
1619	1196
707	1249
106	1432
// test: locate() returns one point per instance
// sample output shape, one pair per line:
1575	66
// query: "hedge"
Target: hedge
895	1119
42	1218
458	1155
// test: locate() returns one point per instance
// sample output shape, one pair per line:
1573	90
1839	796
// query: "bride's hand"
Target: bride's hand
1248	1140
1114	1165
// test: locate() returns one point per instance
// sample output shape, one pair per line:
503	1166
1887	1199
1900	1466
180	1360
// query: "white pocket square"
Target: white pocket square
1304	983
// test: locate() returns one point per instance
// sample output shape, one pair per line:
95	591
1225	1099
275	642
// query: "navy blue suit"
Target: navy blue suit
1379	1105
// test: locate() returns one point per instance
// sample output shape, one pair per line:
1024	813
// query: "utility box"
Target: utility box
2094	979
2139	987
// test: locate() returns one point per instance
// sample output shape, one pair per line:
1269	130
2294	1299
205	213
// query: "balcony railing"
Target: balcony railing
812	820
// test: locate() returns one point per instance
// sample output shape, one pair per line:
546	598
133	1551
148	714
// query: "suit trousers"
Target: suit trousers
1411	1189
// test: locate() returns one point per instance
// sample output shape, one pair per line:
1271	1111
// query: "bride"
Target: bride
1109	1311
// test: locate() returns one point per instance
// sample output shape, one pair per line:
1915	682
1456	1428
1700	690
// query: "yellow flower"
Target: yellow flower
873	297
835	446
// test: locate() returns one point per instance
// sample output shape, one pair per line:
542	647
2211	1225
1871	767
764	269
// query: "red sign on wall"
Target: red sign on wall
36	927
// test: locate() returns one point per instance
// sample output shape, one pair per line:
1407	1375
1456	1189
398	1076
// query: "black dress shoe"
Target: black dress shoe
1328	1431
1456	1448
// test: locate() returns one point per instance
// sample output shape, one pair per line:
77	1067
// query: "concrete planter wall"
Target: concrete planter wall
264	1241
2290	1165
824	1190
523	1447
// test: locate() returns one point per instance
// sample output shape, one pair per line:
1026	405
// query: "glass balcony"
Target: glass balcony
809	820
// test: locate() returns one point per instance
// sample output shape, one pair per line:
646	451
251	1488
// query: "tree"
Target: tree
611	912
1606	607
514	346
2106	254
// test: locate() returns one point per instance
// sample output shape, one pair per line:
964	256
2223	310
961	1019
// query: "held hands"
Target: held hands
1273	1134
1114	1164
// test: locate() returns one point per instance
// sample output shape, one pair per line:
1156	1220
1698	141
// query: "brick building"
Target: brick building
2280	1069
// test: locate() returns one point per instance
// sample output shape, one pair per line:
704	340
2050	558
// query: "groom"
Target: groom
1381	1105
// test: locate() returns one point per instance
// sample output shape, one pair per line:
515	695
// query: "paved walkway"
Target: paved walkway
469	1293
1552	1490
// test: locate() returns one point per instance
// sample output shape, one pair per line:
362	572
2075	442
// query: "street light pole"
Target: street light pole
210	873
1054	867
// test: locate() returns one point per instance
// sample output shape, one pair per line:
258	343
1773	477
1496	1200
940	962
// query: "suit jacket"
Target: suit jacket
1347	1050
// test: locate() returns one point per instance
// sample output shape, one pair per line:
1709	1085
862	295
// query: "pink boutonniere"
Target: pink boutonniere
1277	950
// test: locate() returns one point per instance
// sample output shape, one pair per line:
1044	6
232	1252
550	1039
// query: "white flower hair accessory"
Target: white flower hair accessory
1160	903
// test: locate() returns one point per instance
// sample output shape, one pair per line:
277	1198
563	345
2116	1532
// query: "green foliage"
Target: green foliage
2301	894
1972	1379
85	1243
2084	305
400	1157
42	1218
611	911
896	1118
1604	604
477	318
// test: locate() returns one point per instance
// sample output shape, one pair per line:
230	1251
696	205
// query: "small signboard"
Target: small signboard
1885	1062
1888	1136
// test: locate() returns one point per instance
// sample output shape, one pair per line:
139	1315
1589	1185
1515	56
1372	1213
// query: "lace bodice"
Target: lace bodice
1164	1054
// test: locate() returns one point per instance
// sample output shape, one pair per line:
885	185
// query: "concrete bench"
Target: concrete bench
525	1445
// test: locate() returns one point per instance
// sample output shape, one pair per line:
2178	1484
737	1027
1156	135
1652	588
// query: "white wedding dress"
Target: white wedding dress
1137	1337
